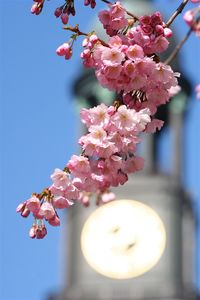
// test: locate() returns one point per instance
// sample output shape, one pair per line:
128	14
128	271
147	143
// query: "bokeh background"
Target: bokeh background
39	127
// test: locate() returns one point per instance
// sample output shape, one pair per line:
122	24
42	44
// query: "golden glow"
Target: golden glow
123	239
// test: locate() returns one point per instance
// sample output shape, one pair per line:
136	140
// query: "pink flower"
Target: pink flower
134	52
79	164
154	125
65	50
61	202
47	210
60	179
104	17
33	204
112	71
112	56
133	164
114	19
55	221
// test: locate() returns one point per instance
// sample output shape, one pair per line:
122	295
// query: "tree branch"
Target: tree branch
176	13
178	47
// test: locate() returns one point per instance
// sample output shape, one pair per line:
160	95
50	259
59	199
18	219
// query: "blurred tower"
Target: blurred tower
172	277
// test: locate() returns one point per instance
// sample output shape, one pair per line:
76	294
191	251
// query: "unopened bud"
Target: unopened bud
65	18
168	32
58	12
87	2
36	9
93	3
72	11
32	232
41	232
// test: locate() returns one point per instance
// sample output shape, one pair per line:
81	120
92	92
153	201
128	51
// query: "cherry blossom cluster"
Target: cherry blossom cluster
64	11
113	19
108	156
128	64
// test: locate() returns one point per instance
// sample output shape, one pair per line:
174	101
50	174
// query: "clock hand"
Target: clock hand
130	246
116	229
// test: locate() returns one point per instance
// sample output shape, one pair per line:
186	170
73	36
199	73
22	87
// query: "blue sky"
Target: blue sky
38	129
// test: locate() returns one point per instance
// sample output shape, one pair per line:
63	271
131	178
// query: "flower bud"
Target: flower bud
93	3
168	32
41	232
58	12
65	18
85	201
86	2
64	50
32	232
36	9
159	29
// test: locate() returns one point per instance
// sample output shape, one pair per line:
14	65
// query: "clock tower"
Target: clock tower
141	246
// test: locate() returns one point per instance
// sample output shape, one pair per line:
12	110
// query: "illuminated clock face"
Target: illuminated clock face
123	239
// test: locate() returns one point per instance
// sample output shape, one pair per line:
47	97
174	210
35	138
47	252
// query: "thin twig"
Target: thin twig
128	12
176	13
178	47
78	33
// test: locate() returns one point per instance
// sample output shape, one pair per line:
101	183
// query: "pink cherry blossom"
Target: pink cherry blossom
65	50
47	210
61	202
60	179
55	221
33	204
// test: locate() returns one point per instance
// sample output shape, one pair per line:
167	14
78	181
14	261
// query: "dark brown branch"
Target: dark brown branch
178	47
176	13
78	33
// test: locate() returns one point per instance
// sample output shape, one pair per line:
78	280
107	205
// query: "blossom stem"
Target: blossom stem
176	13
78	33
128	12
178	47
